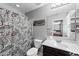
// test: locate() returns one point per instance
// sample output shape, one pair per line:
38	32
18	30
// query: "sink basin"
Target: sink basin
62	46
69	47
56	43
73	48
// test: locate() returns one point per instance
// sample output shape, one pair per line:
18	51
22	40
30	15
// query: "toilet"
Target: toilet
34	50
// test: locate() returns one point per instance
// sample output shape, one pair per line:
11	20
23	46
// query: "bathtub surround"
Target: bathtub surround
15	33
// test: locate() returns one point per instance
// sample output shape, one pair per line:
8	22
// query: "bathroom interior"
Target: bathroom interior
39	29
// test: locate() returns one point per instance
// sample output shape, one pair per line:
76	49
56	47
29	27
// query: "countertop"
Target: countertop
65	44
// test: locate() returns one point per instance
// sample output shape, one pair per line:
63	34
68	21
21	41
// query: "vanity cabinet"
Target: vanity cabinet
50	51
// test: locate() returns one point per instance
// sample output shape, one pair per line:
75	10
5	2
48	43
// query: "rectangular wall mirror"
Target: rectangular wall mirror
58	28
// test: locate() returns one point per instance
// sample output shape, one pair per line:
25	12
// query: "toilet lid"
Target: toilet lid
32	51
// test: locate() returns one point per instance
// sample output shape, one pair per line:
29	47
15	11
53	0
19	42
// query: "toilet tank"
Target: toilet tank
37	43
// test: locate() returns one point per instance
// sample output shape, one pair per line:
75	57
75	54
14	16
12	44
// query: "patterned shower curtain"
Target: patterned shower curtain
15	33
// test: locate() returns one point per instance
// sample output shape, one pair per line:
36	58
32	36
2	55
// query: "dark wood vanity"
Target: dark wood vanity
51	47
51	51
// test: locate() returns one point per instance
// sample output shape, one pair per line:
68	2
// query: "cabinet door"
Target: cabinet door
49	51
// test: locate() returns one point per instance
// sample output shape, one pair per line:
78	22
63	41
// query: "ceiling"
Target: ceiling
28	7
23	7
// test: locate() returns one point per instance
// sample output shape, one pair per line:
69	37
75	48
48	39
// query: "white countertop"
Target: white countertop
65	44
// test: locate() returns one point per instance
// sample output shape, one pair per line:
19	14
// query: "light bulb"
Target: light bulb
17	5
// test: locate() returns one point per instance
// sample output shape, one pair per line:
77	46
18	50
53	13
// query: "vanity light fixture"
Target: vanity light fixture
17	5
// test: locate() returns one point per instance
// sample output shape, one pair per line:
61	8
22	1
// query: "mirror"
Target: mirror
58	28
74	28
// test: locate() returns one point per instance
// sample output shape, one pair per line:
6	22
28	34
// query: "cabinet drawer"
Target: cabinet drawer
49	51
